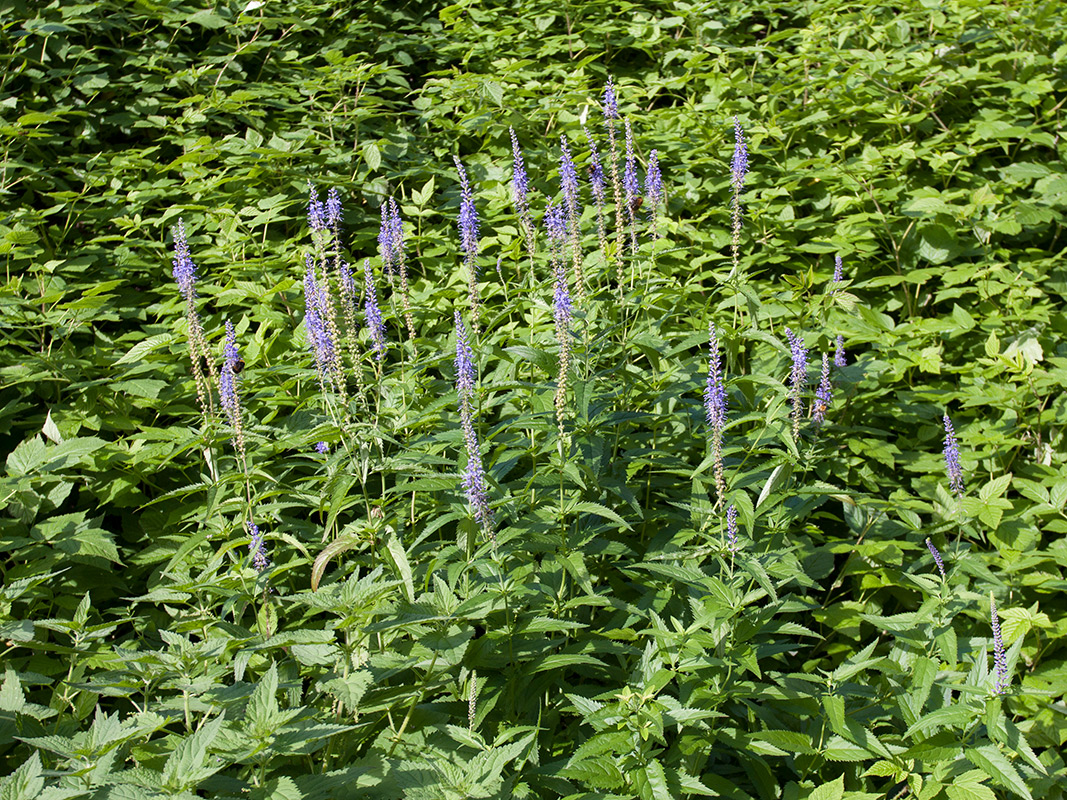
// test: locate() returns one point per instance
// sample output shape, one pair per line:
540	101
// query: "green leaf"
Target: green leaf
969	786
650	782
599	510
394	553
25	783
372	155
997	766
834	790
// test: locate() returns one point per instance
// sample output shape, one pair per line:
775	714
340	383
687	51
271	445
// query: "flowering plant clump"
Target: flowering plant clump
646	549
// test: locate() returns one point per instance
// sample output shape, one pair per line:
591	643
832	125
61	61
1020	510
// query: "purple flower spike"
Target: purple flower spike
824	394
653	182
373	313
474	474
322	448
257	548
333	208
556	224
611	104
731	528
839	352
520	185
1000	662
320	340
715	398
937	558
798	376
184	268
839	269
231	401
466	374
316	211
568	178
596	173
739	164
468	219
630	183
952	459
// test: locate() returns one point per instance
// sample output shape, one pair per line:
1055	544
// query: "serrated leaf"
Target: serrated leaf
997	766
650	782
599	510
969	786
834	790
599	773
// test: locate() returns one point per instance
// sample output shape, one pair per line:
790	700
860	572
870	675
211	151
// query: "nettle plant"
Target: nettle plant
556	524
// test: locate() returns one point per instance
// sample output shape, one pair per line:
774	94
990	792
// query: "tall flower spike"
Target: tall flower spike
320	339
824	394
1000	661
228	394
520	188
333	209
474	474
184	269
373	313
952	459
839	352
738	171
466	374
611	103
396	226
731	528
316	211
468	218
568	181
839	269
468	240
185	276
739	163
653	188
798	377
561	306
632	186
937	558
596	183
257	548
715	402
386	247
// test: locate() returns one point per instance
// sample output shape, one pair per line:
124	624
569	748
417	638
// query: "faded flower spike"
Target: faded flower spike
952	459
937	558
257	548
1000	661
824	394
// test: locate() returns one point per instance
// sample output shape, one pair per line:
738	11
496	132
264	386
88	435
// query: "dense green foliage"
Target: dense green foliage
613	641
